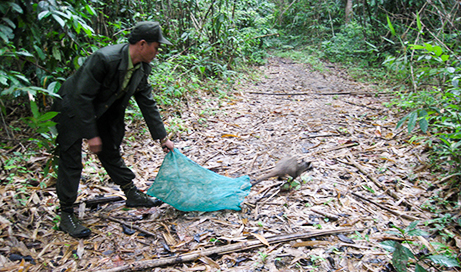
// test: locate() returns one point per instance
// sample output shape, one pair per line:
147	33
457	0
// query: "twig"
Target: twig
409	217
324	135
4	123
142	265
328	215
377	183
104	216
286	9
333	148
445	179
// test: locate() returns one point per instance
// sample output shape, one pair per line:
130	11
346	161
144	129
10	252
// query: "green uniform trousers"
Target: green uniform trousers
70	159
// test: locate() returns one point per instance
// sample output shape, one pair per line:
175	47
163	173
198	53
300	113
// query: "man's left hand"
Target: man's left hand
167	146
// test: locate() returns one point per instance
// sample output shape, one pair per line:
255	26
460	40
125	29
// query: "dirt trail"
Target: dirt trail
339	125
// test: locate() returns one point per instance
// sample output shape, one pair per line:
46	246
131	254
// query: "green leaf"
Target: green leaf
88	30
66	15
76	25
24	53
368	188
400	123
428	47
418	23
444	57
417	232
412	121
16	7
391	28
423	124
34	109
388	245
21	77
43	14
438	50
6	30
417	46
56	53
4	37
54	87
443	260
3	80
47	116
412	225
40	53
398	234
9	22
400	258
451	70
59	20
419	268
90	10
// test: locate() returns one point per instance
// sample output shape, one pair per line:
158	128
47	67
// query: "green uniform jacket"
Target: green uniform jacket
94	88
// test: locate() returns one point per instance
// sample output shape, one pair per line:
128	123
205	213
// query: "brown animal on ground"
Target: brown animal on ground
286	166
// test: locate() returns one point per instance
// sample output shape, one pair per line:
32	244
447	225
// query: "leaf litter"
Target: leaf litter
366	177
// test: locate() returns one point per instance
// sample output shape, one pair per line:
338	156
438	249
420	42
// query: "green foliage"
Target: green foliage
350	46
402	254
42	125
43	42
436	109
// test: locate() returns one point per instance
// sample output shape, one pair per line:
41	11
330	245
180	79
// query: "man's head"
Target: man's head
148	31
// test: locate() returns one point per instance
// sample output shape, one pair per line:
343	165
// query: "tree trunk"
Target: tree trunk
348	11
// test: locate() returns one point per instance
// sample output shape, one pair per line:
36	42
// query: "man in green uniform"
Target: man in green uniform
92	107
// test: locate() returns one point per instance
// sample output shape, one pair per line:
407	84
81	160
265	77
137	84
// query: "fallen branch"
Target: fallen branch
409	217
279	93
142	265
312	93
101	200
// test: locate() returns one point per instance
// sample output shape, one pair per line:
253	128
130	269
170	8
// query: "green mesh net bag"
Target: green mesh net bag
187	186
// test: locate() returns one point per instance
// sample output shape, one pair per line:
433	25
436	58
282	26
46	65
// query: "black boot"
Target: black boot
70	224
136	198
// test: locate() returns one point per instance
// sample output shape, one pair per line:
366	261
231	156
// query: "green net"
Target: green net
187	186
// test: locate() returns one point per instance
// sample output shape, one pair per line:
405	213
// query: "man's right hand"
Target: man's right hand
95	144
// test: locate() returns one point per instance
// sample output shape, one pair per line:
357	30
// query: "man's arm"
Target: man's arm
87	83
149	110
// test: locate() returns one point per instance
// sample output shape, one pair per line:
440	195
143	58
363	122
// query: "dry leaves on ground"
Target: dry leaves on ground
366	177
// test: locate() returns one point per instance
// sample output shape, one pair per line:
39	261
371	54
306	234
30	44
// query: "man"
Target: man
92	107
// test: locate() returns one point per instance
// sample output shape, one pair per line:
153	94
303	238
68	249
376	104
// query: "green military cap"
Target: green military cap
148	31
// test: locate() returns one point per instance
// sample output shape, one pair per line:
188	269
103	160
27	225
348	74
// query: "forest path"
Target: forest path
338	124
365	178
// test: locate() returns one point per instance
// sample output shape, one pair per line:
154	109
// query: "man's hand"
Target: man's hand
95	144
167	146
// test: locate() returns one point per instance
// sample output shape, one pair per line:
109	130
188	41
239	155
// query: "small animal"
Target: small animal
286	166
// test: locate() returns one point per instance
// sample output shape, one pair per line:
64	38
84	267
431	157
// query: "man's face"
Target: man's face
149	51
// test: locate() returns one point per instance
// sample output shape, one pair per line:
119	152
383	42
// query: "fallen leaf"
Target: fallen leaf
261	239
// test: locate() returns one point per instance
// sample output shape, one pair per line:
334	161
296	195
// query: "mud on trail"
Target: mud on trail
365	177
